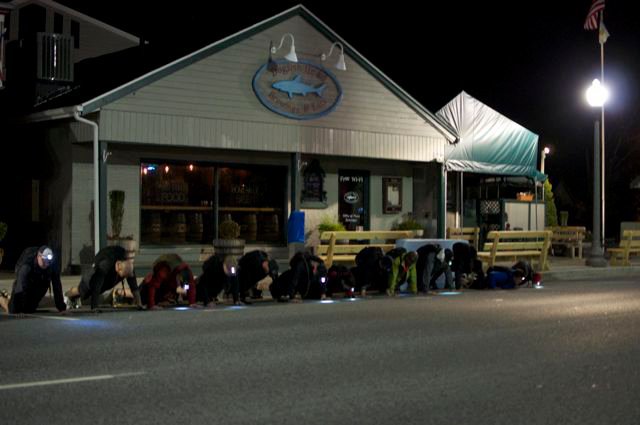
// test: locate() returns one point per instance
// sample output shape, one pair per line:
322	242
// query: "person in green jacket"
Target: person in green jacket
403	269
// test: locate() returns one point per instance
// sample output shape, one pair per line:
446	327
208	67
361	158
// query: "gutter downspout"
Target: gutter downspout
96	177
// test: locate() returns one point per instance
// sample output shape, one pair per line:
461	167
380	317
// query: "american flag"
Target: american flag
597	7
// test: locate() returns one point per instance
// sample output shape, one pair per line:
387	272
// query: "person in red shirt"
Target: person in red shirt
170	282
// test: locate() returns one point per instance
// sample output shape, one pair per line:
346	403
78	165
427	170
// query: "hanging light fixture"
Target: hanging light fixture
341	65
291	56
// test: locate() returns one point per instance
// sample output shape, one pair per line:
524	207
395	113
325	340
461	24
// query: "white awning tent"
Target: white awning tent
488	142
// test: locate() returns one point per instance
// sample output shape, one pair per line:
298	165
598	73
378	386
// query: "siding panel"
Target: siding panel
211	103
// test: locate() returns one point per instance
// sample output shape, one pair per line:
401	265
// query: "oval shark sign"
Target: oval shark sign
301	90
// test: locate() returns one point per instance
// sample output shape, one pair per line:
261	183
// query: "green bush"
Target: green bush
550	205
3	230
409	224
229	229
328	224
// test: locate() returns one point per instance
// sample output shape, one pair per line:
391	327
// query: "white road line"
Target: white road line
66	381
51	317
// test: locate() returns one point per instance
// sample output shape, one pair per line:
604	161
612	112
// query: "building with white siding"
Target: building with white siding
212	135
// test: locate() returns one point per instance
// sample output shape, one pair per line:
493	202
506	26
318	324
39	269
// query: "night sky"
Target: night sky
531	61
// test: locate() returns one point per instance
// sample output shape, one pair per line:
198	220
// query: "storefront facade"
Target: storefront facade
227	132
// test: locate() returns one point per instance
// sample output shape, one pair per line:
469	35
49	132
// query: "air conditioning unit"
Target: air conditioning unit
55	57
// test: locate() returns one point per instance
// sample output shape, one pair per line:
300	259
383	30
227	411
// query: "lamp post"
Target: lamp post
545	152
596	97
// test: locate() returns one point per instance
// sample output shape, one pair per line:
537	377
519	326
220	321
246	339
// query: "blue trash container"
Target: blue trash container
295	227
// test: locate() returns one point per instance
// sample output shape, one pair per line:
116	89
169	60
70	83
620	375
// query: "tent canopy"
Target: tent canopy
488	142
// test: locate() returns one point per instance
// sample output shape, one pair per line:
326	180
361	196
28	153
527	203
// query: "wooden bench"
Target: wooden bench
332	252
512	245
471	234
570	237
629	244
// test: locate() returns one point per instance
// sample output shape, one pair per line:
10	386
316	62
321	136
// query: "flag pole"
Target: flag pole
602	186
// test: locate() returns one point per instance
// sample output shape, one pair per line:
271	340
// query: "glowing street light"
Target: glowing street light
546	151
597	95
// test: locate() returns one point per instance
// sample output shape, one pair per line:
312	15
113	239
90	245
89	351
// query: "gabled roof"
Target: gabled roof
96	103
77	15
489	142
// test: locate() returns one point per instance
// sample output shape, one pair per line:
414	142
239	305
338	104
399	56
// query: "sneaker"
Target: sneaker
72	303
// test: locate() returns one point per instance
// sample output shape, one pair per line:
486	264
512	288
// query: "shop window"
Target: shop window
177	203
254	197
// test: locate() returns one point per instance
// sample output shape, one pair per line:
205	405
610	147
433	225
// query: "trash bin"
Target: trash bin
295	227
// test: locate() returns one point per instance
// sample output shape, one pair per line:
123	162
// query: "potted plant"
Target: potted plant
409	223
3	233
328	224
228	242
116	203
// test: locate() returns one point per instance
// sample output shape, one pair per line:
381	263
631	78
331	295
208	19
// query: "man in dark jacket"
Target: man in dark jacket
35	271
111	266
307	276
256	271
370	271
218	275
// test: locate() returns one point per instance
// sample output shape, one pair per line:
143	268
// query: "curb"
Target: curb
588	273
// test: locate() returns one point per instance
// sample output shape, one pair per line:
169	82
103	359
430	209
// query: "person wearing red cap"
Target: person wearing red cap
36	270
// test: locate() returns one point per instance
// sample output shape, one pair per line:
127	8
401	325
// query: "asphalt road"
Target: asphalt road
565	354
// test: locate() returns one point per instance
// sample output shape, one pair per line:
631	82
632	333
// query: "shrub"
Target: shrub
328	224
229	229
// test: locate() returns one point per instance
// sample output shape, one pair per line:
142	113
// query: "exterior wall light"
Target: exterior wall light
341	65
291	56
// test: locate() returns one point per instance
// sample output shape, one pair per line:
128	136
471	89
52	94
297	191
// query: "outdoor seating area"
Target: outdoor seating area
513	245
352	242
568	237
629	244
471	234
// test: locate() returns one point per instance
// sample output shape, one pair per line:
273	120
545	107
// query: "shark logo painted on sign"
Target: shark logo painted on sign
283	87
296	86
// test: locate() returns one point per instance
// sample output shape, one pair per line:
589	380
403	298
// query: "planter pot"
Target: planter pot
130	245
418	233
226	247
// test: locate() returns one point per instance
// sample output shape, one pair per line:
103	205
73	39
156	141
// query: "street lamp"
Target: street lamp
597	96
545	152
